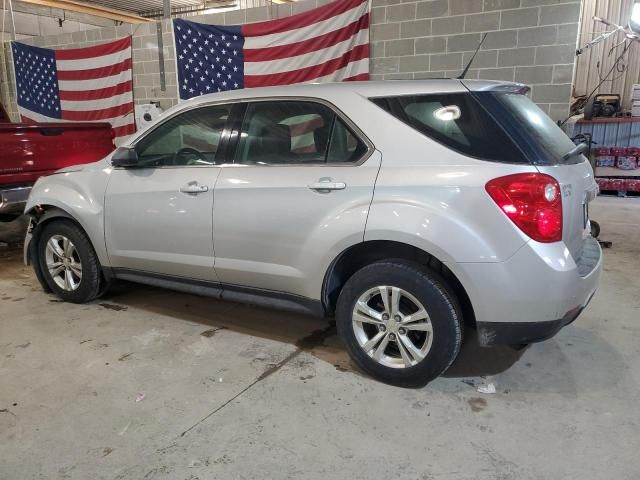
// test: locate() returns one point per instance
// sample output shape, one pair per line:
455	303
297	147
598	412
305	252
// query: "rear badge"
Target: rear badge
566	190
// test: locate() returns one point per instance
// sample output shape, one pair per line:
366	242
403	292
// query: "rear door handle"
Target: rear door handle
194	187
320	186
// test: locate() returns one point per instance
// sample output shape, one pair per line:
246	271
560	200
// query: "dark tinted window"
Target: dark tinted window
456	120
548	141
295	133
188	139
344	147
285	133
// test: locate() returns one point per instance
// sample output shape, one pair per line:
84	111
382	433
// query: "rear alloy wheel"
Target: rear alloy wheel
400	322
68	262
392	327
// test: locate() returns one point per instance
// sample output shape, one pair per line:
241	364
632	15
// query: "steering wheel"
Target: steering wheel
188	151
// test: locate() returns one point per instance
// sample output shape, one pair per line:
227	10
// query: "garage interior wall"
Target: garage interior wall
588	73
529	41
36	21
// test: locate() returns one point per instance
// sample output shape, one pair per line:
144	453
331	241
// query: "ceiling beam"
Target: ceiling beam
95	10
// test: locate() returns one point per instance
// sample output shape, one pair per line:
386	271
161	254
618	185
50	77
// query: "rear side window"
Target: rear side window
296	133
457	121
344	146
518	112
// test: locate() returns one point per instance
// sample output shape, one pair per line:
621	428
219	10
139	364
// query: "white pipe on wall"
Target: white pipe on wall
13	22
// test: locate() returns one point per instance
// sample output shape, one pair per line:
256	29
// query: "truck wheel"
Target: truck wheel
400	322
68	262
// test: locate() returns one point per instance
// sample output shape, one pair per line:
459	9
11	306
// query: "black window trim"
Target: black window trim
232	130
232	147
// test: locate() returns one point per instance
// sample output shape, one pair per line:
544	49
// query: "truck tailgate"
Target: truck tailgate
32	150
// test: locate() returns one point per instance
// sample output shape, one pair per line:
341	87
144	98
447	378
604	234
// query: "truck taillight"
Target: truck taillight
532	201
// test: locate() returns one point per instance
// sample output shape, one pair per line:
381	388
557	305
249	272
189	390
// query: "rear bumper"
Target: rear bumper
531	296
518	333
13	200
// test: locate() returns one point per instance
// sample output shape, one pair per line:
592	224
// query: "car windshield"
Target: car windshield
549	141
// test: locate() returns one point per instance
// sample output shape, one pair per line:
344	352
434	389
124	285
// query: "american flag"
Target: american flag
91	84
327	44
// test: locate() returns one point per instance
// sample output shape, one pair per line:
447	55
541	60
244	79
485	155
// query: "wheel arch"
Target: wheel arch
364	253
41	215
44	212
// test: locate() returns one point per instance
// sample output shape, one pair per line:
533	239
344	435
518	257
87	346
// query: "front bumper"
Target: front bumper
27	242
13	200
531	296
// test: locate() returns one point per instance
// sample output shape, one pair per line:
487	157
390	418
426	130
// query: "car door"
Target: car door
158	216
297	193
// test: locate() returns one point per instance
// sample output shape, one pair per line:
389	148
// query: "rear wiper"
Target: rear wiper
577	150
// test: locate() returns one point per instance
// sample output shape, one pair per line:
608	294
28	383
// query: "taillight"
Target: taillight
532	201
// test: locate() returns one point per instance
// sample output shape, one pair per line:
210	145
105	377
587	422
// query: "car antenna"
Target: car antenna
466	69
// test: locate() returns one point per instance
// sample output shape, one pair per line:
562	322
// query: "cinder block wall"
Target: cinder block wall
529	41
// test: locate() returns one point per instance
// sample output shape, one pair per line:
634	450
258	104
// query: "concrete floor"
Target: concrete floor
237	392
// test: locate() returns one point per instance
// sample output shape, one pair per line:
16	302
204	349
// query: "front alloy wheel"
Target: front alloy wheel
63	263
392	327
67	261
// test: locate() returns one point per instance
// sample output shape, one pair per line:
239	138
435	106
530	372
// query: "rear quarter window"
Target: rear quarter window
457	121
538	132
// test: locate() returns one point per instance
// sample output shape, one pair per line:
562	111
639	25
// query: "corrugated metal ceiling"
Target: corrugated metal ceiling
142	6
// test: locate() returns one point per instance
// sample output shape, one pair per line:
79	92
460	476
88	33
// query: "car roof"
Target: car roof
367	89
363	88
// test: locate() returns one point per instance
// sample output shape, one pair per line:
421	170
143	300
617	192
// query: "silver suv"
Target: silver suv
404	209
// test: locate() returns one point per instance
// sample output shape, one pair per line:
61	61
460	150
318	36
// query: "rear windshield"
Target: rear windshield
457	120
548	143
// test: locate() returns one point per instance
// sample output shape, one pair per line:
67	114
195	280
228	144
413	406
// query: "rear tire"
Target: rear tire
416	351
68	263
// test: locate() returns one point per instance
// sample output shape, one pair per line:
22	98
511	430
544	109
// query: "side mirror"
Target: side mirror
125	157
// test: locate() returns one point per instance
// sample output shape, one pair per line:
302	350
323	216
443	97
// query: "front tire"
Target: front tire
68	262
400	322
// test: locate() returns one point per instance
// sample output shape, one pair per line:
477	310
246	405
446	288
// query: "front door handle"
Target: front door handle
327	186
194	187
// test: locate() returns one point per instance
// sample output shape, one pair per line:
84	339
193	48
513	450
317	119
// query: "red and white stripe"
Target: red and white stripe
327	44
96	85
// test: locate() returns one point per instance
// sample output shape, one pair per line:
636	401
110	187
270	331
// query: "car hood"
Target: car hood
83	167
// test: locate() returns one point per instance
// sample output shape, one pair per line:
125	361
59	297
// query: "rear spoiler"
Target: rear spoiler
495	86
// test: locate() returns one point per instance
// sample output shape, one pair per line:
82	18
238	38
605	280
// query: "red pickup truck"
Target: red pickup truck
29	151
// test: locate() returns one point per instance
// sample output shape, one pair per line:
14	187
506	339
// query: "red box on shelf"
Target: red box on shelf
604	183
618	151
628	160
635	151
604	158
632	185
617	184
627	163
